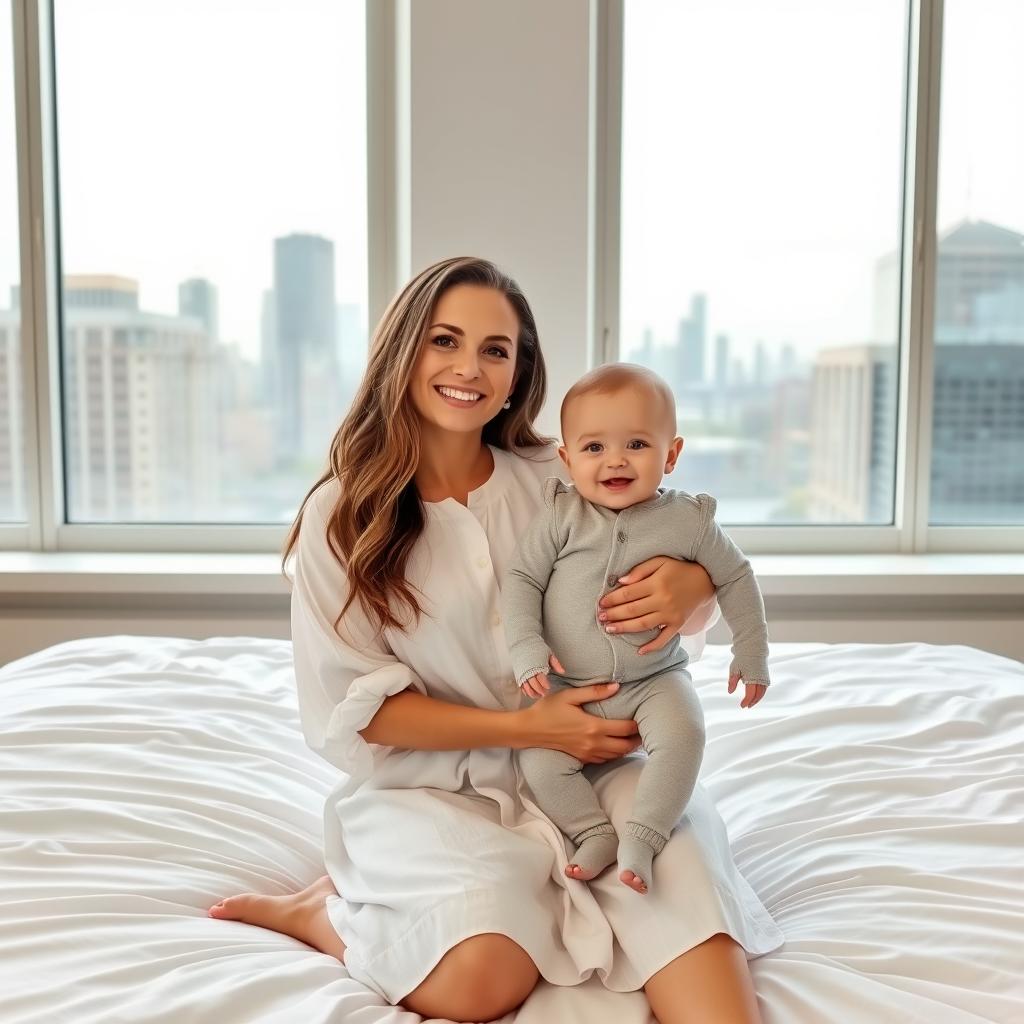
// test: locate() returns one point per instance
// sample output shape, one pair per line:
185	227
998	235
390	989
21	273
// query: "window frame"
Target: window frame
911	531
389	198
41	321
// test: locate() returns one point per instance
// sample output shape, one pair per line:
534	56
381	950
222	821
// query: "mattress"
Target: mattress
874	800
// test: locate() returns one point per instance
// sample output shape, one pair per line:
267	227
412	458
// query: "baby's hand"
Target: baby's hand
755	691
538	685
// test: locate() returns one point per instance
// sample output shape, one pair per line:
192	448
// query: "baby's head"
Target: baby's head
619	421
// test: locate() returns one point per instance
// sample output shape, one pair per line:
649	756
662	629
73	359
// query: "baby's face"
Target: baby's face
618	447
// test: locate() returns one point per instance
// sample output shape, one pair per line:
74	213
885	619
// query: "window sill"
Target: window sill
63	574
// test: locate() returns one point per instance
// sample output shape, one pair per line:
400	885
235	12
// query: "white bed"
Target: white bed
874	800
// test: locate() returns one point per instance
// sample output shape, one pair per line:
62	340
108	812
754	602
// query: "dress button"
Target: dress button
482	562
496	620
621	535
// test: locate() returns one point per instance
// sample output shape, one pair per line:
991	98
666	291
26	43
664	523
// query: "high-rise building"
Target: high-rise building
788	368
13	499
721	361
305	337
977	470
975	259
270	389
197	298
690	343
351	349
853	434
760	365
140	407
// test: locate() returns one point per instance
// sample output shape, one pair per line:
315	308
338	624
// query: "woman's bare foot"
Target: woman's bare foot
302	915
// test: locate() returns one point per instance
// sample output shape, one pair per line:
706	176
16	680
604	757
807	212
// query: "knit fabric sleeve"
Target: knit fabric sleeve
526	579
739	595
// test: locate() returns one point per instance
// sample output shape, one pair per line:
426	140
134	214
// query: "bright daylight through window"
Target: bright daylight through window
213	245
13	504
761	212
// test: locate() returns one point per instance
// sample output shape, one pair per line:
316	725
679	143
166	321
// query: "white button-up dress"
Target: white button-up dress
429	847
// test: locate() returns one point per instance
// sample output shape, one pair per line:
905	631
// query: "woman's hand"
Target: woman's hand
661	592
557	721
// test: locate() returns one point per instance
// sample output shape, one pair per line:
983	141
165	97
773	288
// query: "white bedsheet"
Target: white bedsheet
874	800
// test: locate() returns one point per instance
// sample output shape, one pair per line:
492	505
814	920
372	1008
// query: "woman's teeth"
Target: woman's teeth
464	399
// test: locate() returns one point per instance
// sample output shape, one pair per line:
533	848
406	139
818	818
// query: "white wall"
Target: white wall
500	147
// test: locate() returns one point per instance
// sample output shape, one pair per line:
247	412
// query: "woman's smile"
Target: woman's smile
450	396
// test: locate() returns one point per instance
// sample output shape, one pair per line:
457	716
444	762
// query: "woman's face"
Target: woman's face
470	346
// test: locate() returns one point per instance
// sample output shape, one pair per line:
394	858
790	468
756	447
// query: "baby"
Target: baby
619	425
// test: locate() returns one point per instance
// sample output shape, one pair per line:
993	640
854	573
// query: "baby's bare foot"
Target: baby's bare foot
302	915
636	856
633	881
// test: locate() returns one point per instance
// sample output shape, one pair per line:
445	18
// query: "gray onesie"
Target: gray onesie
571	555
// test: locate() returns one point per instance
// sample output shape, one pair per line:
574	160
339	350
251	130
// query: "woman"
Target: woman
454	899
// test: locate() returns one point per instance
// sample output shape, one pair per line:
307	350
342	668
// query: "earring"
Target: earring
508	404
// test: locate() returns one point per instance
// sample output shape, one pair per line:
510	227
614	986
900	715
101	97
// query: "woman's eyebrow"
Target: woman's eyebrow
461	333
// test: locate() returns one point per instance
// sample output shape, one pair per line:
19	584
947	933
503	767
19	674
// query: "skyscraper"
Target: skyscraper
977	471
140	407
721	360
197	297
13	496
305	339
692	334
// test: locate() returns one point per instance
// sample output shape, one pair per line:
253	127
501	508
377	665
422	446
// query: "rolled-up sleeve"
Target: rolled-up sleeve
342	676
694	642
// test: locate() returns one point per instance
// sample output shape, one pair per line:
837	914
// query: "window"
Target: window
13	500
760	222
213	227
977	473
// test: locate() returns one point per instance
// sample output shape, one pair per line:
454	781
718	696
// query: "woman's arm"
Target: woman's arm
416	722
412	720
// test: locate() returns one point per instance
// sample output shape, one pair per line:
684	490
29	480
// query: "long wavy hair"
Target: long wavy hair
379	514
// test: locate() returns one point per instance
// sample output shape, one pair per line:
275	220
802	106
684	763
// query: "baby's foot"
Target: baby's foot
594	854
636	855
633	881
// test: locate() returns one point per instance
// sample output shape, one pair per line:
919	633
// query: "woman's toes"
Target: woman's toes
230	909
633	881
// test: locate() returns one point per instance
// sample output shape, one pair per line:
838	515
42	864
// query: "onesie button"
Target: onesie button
482	562
496	620
611	581
621	535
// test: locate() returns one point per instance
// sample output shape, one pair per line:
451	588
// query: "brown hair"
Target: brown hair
379	515
611	378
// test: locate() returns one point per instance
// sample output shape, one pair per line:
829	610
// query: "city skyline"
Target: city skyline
239	194
807	444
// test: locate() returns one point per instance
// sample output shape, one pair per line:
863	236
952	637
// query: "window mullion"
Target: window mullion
606	88
24	69
38	286
919	276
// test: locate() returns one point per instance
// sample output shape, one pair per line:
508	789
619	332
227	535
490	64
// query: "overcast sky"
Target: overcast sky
761	150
